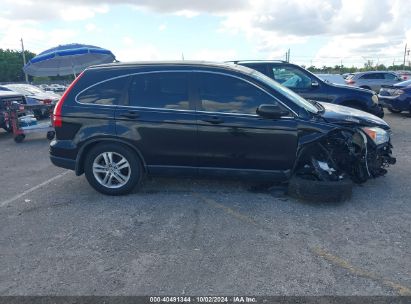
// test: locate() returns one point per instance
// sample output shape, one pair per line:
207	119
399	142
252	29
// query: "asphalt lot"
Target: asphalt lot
198	237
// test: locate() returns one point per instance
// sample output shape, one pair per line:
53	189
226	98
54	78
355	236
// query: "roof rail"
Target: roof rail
257	60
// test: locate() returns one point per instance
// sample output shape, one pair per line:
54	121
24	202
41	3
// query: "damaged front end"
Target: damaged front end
358	153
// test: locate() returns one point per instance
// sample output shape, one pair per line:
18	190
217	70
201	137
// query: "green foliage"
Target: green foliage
11	68
11	65
368	66
53	79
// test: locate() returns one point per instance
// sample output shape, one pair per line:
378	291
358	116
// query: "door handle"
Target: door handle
130	115
214	120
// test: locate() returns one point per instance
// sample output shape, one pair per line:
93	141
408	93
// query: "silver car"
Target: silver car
372	80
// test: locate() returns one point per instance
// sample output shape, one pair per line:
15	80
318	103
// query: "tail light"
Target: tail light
350	81
47	101
56	117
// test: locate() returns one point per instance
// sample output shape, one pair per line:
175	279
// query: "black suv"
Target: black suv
118	122
310	86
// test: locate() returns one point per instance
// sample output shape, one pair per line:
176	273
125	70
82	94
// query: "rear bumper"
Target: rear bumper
63	162
63	153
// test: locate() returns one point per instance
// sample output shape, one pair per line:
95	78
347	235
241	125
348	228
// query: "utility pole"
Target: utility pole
405	52
24	59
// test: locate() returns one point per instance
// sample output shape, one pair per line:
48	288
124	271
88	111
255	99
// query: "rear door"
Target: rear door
160	121
232	138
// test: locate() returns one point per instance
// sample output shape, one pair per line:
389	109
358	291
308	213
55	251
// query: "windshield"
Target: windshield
297	99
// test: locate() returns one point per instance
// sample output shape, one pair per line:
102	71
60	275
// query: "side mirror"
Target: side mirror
315	84
271	111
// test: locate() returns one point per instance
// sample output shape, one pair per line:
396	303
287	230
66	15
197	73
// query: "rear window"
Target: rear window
160	90
108	92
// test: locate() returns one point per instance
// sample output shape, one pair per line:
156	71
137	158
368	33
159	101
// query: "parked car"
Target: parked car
44	87
35	96
119	122
404	75
346	75
57	87
5	97
372	80
310	86
397	98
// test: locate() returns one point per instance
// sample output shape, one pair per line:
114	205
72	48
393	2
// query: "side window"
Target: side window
389	76
291	78
110	92
220	93
372	76
160	90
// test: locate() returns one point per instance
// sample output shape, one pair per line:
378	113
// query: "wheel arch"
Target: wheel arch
98	141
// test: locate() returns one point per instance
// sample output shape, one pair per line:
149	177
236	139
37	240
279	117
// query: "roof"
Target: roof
168	63
372	72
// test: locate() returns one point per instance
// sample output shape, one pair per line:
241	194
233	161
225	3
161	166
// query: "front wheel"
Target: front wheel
112	169
394	110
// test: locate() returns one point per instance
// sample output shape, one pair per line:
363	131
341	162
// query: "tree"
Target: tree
11	65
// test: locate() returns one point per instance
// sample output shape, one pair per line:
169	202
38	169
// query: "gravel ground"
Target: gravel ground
196	236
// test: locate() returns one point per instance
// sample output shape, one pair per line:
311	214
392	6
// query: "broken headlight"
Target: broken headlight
378	135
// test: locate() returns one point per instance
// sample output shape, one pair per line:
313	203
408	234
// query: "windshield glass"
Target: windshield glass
297	99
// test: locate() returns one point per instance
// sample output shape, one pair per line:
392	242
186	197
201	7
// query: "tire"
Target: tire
320	191
394	110
19	138
50	135
105	176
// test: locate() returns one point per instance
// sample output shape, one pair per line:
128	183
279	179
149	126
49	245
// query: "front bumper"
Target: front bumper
377	110
395	102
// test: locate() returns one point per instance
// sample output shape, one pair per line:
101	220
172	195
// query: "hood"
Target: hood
351	88
348	116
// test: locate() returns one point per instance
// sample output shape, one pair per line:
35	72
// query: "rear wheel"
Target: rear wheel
19	138
112	169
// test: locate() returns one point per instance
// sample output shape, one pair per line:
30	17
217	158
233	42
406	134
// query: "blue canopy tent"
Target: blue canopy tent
67	59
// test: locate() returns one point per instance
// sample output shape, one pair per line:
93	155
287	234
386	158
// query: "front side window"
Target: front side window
291	78
109	92
223	93
389	76
160	90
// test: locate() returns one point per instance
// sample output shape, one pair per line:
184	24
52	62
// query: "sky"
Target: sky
317	32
